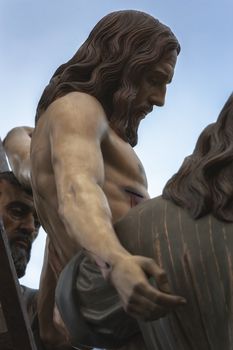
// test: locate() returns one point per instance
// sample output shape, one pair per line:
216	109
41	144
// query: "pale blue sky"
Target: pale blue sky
37	36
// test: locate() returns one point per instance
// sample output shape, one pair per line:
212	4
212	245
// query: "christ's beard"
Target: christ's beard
20	257
132	130
135	115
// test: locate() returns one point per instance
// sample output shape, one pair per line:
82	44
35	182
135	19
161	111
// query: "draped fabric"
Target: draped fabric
197	256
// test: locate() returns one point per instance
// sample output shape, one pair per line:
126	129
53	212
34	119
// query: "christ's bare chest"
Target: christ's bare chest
122	164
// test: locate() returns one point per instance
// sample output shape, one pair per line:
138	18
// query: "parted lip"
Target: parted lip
146	110
23	242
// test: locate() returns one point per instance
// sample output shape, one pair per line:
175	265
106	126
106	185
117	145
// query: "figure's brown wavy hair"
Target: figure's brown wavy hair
110	63
204	183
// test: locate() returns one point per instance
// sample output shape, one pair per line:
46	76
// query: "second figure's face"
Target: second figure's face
20	223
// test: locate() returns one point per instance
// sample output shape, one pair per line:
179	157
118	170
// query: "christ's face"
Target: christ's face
153	85
152	90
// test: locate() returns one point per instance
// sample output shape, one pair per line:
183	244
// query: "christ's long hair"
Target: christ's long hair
204	183
110	64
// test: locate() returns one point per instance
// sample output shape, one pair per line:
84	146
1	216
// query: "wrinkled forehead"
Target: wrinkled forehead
12	193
